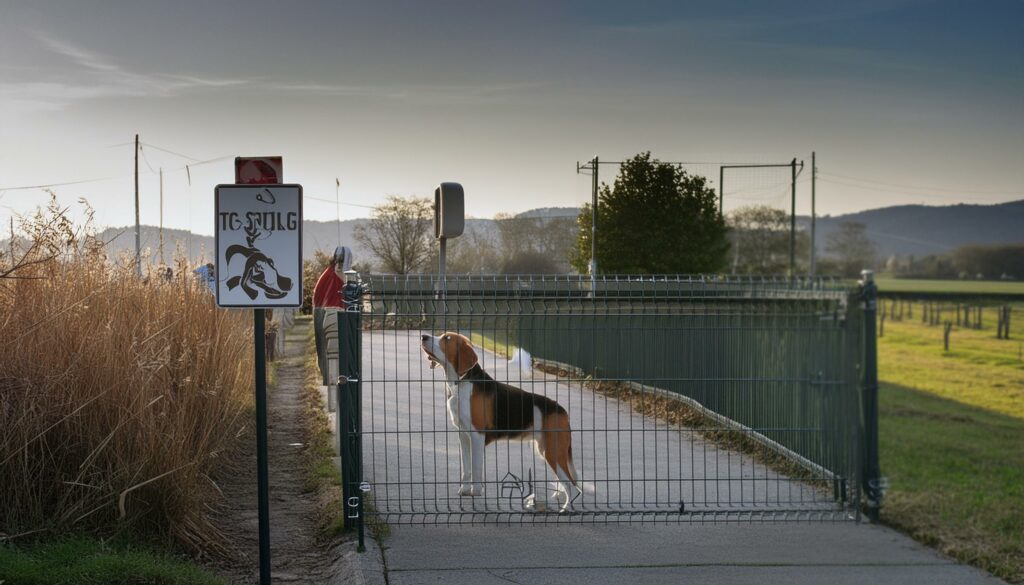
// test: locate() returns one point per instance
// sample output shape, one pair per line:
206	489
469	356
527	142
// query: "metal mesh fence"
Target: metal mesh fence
689	399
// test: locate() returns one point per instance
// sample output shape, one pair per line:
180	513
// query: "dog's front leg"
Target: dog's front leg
465	454
478	463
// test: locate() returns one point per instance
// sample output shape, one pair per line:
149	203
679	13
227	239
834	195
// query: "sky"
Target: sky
902	101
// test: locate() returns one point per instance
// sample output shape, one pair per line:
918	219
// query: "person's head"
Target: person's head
341	260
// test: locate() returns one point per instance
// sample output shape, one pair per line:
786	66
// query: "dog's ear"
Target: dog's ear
466	357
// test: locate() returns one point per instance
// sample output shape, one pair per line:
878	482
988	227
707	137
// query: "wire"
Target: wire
341	203
111	178
27	187
899	186
169	151
146	159
887	190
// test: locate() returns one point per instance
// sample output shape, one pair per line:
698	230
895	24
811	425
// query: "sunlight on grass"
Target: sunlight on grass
949	286
979	369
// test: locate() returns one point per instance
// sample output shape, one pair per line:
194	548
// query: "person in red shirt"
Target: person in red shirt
327	294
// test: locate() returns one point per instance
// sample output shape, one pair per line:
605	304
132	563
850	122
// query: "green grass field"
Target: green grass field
957	478
978	370
948	286
88	561
951	438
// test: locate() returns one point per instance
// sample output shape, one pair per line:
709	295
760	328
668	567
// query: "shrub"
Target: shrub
118	396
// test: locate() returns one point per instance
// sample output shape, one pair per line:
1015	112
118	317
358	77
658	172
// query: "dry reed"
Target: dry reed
117	395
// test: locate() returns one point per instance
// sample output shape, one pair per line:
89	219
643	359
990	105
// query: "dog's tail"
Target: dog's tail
521	363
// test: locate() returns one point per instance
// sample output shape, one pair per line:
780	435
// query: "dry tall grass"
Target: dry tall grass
117	396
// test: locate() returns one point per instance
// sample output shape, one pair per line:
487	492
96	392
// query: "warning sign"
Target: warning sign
259	245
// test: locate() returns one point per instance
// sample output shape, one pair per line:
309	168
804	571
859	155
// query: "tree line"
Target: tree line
655	218
974	261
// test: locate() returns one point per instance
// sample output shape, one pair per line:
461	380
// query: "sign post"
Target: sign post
259	266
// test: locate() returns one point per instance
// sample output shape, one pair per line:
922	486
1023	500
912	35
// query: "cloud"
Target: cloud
90	76
422	93
87	75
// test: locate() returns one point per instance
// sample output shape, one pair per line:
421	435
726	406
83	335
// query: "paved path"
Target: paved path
635	465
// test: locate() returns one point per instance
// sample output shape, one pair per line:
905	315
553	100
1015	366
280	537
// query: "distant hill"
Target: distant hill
905	229
922	229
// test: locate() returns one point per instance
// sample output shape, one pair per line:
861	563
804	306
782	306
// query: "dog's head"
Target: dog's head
259	273
450	350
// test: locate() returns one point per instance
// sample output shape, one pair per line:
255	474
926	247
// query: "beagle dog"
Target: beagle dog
484	411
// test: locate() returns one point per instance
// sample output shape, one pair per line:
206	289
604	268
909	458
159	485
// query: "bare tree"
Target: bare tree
535	244
399	234
475	252
761	239
852	249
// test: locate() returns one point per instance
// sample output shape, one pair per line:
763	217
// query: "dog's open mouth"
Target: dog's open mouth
434	362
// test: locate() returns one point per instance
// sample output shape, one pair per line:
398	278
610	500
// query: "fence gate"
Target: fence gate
688	399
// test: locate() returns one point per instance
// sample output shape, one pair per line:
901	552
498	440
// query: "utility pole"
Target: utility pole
138	237
721	190
814	251
337	206
593	223
792	222
161	216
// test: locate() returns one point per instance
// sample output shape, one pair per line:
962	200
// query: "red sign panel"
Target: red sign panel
259	170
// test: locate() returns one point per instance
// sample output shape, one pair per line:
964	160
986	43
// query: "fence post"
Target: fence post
350	411
871	475
945	335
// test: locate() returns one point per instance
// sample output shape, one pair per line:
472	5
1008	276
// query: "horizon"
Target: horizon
904	103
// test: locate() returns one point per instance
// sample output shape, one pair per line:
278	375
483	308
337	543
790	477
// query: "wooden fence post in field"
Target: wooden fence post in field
881	323
945	335
910	309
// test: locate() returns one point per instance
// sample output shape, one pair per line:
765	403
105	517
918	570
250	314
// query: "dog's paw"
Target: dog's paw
534	504
466	490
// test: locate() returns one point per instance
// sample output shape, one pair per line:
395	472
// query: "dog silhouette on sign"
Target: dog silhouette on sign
259	272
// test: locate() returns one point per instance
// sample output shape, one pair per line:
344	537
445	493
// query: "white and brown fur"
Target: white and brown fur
485	410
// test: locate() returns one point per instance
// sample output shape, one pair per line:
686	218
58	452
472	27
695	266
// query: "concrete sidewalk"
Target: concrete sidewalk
664	553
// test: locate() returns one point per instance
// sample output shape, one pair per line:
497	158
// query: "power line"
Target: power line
146	158
113	177
899	186
912	193
169	151
341	203
47	186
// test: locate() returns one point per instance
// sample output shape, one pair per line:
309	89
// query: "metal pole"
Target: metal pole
721	190
441	260
873	483
337	205
792	222
259	333
138	239
161	216
814	251
593	224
